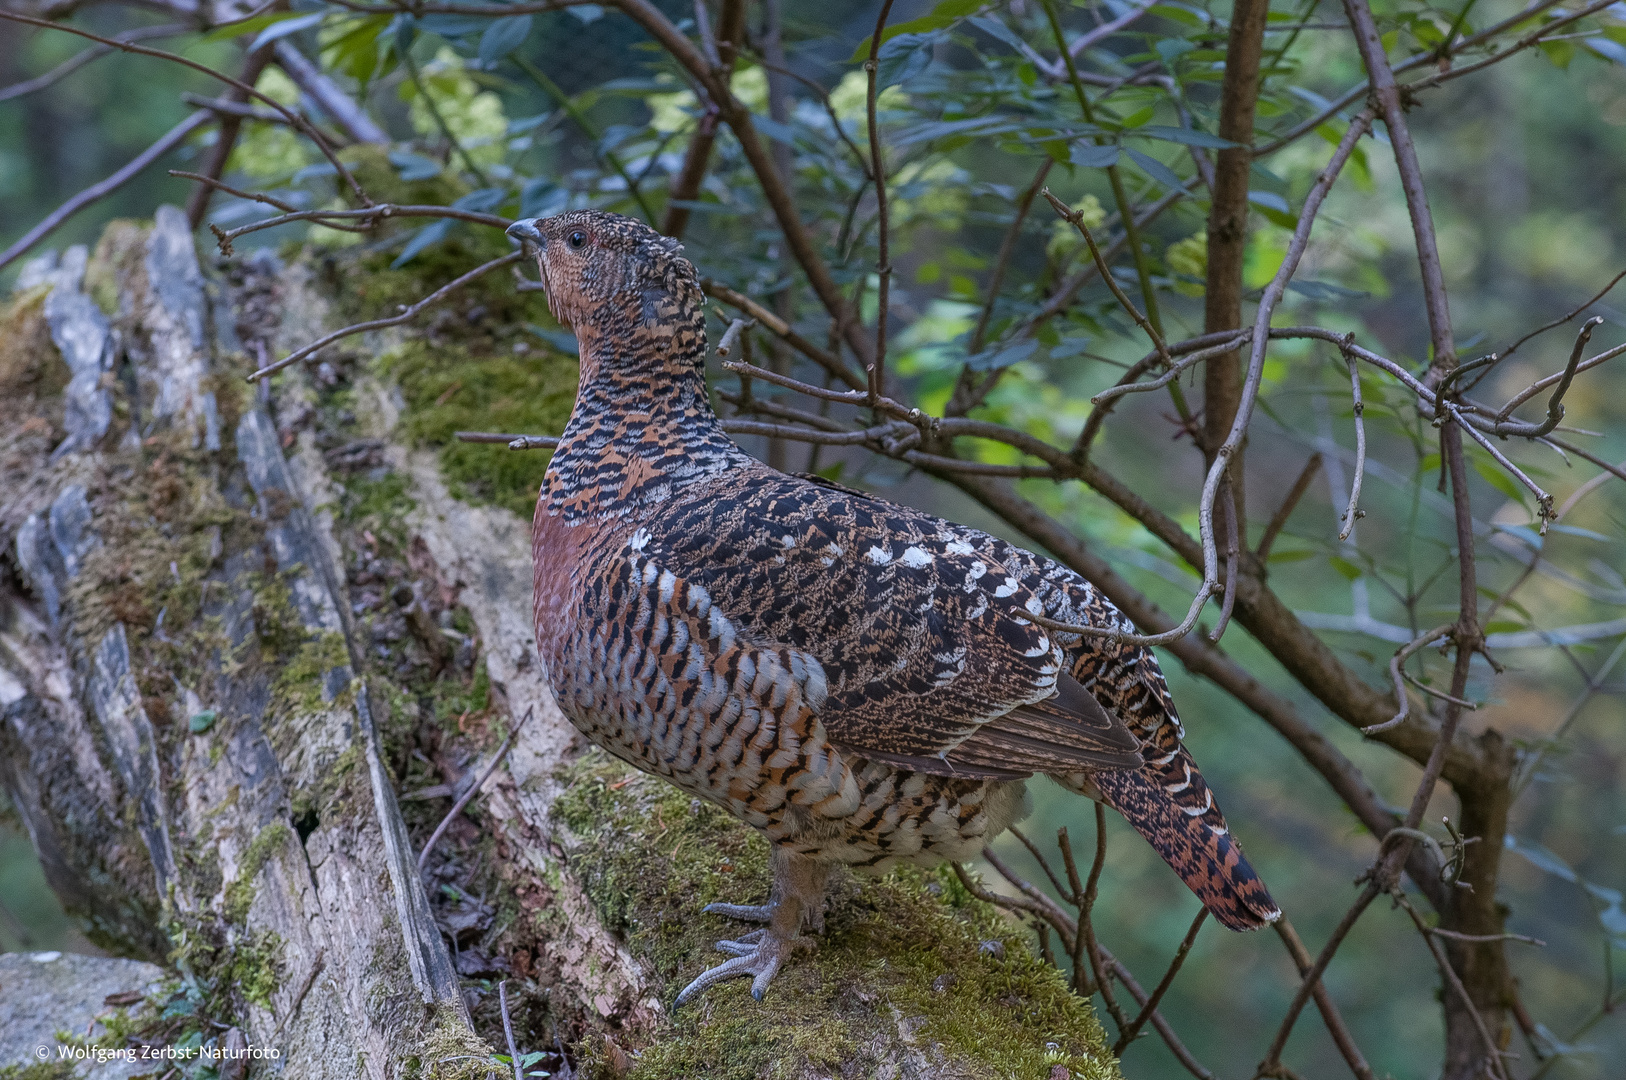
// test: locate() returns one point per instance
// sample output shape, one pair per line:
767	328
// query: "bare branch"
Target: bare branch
1544	501
1149	1006
508	1030
783	330
1397	669
367	217
294	119
1560	321
167	142
731	336
1353	513
1310	984
1555	403
1172	1041
79	60
876	363
1498	1067
1285	511
350	117
378	324
474	789
1077	221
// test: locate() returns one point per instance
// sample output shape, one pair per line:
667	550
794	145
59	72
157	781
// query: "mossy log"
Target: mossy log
254	641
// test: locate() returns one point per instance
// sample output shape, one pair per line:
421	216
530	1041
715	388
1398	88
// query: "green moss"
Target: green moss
29	360
54	1070
240	893
381	505
301	685
455	388
452	1052
255	969
899	953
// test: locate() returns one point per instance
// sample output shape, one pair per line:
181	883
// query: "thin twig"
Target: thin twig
1555	404
1310	984
1544	501
80	59
317	963
1498	1066
783	330
1456	936
1353	513
731	336
508	1030
1149	1006
1159	1024
294	119
1076	218
1044	864
474	789
1086	920
252	196
1233	553
1397	665
378	324
1284	511
166	142
876	367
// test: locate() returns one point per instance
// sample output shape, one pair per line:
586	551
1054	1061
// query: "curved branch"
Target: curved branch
167	142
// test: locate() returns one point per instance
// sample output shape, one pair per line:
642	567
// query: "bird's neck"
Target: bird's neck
642	427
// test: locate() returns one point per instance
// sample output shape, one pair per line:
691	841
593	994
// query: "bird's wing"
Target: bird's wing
928	655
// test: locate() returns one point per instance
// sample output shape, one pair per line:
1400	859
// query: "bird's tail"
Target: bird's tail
1168	802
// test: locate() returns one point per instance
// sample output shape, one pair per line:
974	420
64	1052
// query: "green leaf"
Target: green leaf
503	36
1088	155
902	58
1003	357
1185	136
1155	169
284	27
233	31
1345	567
1497	477
202	721
1291	556
945	14
1559	53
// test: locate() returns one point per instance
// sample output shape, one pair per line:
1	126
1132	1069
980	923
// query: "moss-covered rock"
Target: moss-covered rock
908	960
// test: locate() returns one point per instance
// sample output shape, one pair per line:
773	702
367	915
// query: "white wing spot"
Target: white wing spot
916	558
1006	589
640	540
1035	605
788	540
958	547
978	569
878	556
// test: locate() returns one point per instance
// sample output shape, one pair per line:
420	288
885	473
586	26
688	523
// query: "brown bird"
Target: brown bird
859	680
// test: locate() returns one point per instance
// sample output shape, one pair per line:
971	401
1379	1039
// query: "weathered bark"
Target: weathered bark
234	624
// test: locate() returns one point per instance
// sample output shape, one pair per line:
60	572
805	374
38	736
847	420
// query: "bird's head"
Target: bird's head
601	269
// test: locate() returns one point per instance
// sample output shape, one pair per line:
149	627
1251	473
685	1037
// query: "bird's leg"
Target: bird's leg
797	902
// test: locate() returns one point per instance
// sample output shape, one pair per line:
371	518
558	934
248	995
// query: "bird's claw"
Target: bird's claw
761	959
744	912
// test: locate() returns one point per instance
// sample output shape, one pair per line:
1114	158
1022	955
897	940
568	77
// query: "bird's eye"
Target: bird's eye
577	240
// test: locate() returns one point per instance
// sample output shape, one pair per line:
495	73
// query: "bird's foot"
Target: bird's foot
759	954
744	912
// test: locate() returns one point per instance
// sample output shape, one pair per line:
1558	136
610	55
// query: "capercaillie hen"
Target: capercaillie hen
854	678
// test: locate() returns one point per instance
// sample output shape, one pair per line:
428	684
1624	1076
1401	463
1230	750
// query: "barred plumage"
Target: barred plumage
859	680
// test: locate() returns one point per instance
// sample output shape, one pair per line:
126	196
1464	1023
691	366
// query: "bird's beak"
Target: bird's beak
526	232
